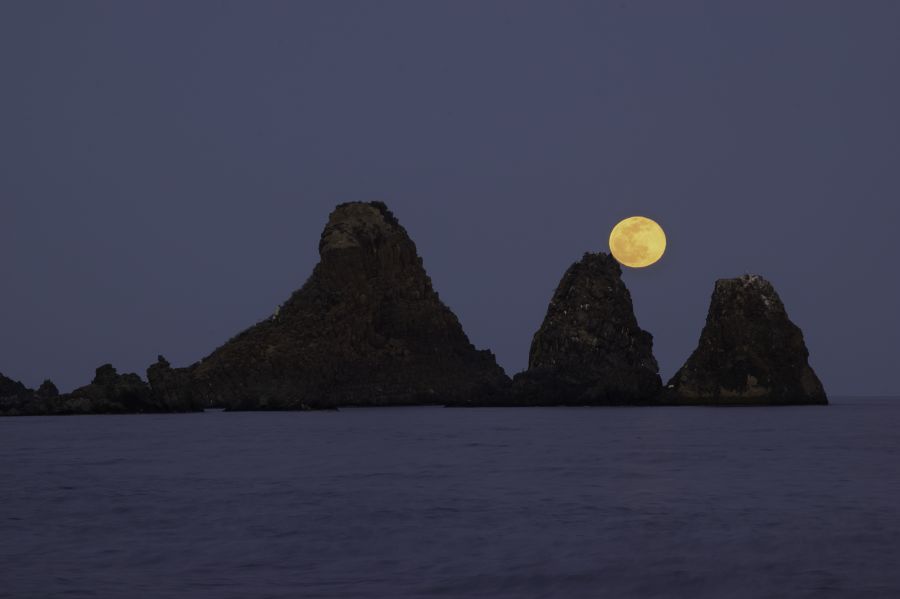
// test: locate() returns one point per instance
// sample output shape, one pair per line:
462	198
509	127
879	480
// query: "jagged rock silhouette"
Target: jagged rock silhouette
749	352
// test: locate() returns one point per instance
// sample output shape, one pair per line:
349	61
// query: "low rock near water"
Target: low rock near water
170	387
108	393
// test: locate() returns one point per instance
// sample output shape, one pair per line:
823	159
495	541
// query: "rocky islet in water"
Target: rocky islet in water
368	329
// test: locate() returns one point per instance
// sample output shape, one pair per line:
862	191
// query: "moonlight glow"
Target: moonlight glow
637	242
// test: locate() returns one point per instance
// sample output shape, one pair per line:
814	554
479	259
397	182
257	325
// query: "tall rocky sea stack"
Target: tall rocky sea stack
589	349
366	328
749	352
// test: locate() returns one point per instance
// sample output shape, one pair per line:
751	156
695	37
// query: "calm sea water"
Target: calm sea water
433	502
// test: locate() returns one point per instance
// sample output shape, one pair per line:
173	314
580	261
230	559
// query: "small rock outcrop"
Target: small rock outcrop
109	392
589	349
170	387
14	396
749	352
10	388
366	328
16	399
47	390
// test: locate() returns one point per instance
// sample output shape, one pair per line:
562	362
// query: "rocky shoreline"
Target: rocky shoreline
368	329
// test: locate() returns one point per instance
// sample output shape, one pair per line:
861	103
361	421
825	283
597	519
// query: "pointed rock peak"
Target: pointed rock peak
749	288
590	348
367	328
749	351
358	224
749	284
600	262
105	375
592	268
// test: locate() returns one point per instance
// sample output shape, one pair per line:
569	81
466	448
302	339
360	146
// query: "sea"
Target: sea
689	502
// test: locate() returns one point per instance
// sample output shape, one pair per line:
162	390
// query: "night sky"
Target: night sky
167	167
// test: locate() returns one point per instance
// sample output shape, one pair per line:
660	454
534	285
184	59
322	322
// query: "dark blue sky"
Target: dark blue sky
167	167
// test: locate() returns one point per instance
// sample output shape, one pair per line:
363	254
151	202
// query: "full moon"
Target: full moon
637	242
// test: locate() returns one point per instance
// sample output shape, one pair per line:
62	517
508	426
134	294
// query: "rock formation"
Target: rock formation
366	328
108	393
14	396
10	388
589	349
749	352
125	391
47	390
170	387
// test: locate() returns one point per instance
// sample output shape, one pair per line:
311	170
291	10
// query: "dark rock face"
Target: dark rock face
366	328
749	352
170	387
10	388
109	392
47	390
589	349
14	396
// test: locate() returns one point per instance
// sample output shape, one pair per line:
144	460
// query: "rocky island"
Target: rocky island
749	352
589	349
108	393
368	329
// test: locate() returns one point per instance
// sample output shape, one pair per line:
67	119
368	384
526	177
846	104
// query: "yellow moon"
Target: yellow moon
637	242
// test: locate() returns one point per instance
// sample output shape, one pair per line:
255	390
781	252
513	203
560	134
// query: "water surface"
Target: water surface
433	502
